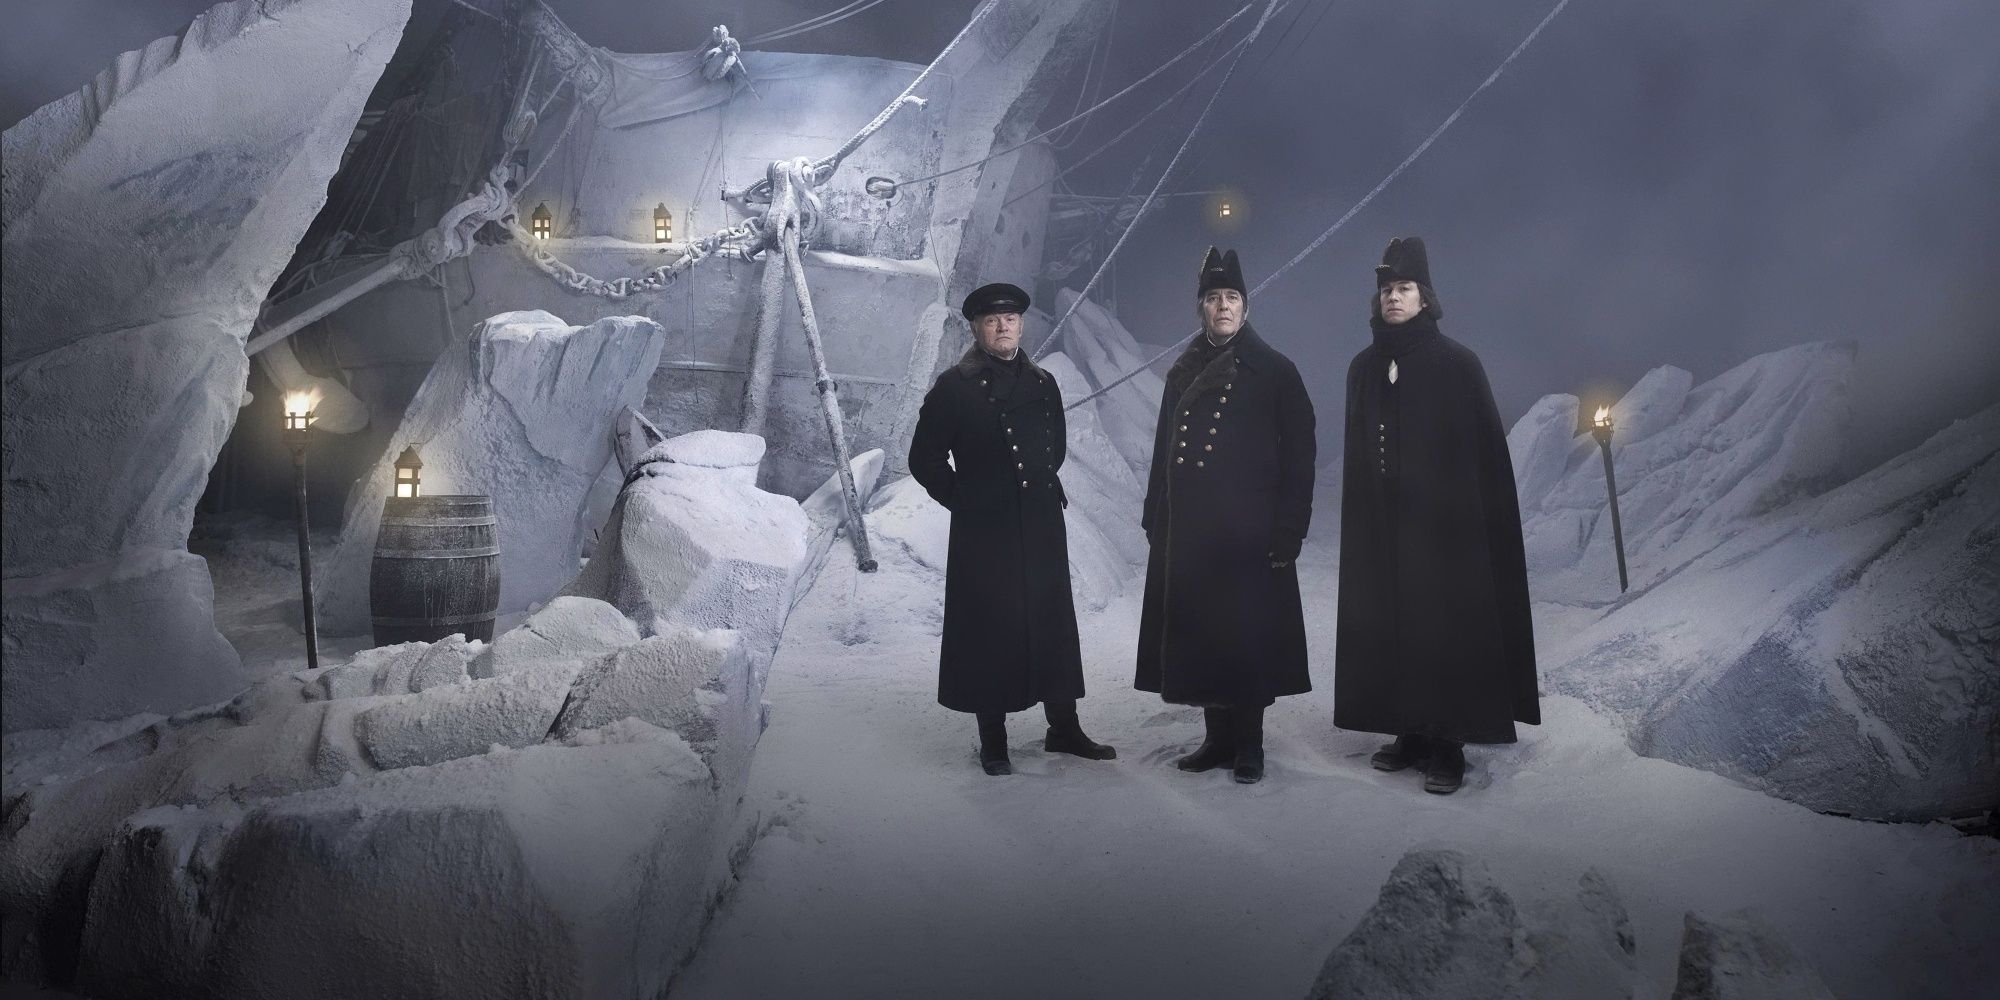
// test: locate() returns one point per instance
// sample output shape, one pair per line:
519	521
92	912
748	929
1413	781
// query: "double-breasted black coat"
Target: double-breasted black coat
1009	624
1434	637
1231	487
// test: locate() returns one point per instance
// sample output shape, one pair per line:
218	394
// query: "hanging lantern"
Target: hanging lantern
299	410
663	224
407	466
541	223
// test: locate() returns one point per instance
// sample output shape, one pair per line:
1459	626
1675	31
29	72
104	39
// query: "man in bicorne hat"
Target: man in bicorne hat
1009	625
1434	645
1227	506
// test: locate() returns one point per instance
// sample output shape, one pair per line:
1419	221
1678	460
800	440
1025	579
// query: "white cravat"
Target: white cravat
1392	371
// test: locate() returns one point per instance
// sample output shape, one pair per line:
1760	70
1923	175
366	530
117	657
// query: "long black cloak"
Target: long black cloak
1434	636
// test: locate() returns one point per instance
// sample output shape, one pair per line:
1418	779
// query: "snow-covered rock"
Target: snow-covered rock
1693	464
143	221
713	449
1739	957
1103	351
573	871
569	628
381	670
655	680
1443	929
1838	651
1105	494
514	710
522	412
1540	446
188	856
700	546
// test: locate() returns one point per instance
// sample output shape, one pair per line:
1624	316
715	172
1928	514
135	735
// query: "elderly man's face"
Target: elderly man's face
1222	312
1400	300
999	333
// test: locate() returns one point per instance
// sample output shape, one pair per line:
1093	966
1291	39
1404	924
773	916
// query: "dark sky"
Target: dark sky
1688	183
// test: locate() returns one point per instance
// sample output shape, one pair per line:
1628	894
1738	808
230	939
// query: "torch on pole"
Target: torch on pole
298	434
1600	428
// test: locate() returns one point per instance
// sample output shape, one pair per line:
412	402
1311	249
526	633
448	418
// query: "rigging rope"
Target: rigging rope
1358	206
1129	129
813	23
1163	67
1095	72
744	241
1269	9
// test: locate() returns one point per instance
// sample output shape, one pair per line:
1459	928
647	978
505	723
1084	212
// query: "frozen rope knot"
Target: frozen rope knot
722	56
794	204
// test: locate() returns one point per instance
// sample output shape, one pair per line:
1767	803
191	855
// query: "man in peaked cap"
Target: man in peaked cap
1009	625
1434	645
1227	506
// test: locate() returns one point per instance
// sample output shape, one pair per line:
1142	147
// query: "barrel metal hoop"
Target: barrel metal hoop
445	620
487	550
441	522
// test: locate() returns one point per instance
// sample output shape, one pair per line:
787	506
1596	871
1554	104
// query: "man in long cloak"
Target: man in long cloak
1434	643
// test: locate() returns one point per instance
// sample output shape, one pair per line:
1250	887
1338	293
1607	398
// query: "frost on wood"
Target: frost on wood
143	222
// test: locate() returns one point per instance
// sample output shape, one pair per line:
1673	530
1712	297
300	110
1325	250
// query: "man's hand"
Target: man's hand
1284	551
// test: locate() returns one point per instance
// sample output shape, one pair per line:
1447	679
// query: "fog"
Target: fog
1648	184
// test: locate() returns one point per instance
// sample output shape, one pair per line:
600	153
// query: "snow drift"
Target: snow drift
551	812
1830	646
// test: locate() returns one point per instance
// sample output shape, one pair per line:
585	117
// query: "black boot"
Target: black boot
1066	733
993	743
1444	769
1406	750
1216	747
1247	724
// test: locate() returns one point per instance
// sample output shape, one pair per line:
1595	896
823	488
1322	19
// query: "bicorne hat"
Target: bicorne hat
1220	270
999	297
1405	260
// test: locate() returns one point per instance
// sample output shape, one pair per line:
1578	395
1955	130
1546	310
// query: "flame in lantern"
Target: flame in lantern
301	402
1603	416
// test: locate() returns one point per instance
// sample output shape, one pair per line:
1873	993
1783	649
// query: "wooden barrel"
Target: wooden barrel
436	569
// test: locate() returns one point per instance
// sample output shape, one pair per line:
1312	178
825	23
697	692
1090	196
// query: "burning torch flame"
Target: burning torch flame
1603	417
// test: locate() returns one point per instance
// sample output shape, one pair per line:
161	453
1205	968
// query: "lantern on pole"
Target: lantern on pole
1224	212
298	434
408	466
1600	428
663	224
540	223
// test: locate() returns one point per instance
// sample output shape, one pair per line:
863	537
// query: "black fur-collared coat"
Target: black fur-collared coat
1230	493
1009	624
1434	637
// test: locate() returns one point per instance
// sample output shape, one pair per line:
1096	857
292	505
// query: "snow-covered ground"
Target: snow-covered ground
892	867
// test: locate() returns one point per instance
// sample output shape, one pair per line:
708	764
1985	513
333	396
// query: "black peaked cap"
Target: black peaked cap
999	297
